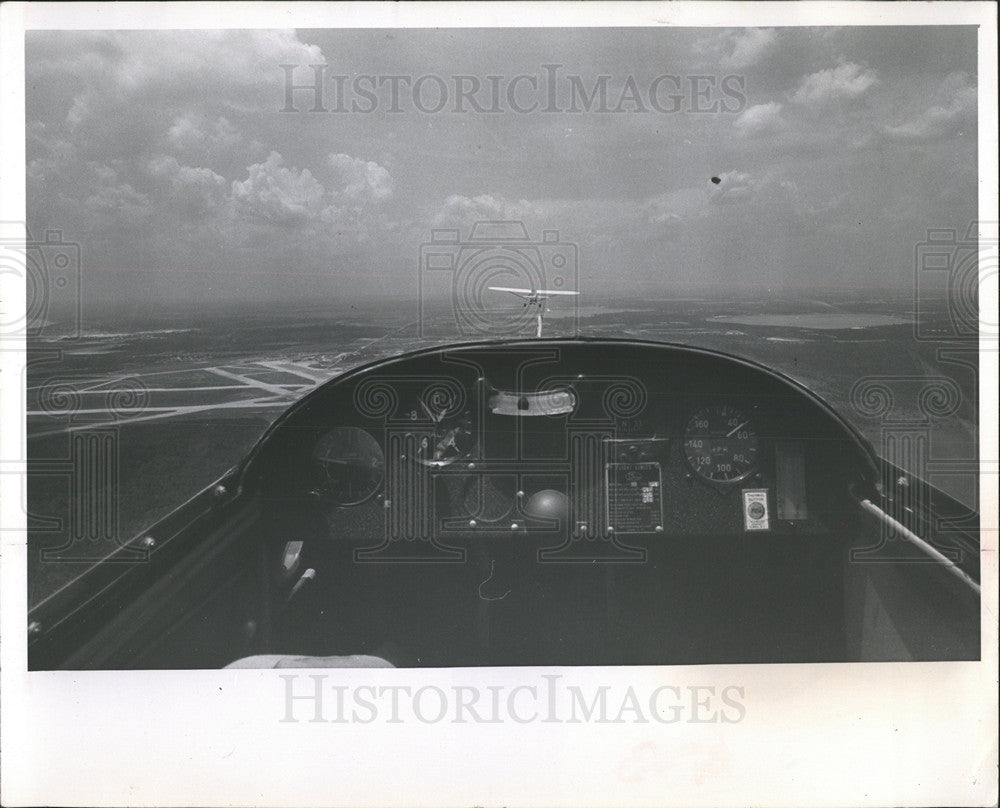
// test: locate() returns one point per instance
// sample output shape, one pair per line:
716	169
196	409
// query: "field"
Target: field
182	397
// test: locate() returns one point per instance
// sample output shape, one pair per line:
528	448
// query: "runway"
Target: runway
171	389
60	406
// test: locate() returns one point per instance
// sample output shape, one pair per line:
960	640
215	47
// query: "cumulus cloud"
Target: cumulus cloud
761	119
118	200
657	215
168	148
280	194
663	223
193	132
749	47
738	49
111	197
735	187
362	181
846	82
605	230
669	209
287	195
955	114
464	211
122	67
193	190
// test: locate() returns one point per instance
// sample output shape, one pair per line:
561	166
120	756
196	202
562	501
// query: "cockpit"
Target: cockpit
554	502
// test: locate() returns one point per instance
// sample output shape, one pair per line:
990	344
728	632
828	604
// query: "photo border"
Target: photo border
837	734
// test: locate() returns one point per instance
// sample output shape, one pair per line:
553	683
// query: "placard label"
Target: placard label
755	515
635	502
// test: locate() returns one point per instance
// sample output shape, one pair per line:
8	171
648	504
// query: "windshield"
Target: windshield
222	221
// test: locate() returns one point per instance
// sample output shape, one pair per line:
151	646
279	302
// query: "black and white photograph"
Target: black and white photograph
610	382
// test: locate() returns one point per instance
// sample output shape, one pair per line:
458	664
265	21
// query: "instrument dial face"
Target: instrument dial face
720	443
352	464
447	445
452	437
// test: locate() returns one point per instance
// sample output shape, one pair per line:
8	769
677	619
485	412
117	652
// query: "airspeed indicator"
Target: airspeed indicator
720	444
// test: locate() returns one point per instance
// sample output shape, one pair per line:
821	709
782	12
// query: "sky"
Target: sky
186	171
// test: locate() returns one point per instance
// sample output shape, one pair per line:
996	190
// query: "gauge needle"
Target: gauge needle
435	418
737	429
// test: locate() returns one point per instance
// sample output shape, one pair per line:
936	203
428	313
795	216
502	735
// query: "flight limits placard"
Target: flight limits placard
635	502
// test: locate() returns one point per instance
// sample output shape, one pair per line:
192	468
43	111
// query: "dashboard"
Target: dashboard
562	502
570	440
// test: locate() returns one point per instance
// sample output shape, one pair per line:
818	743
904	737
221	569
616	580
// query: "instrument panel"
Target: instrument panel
497	456
583	442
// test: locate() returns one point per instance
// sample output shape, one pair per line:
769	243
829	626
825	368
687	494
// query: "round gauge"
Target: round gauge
450	442
352	464
720	443
451	438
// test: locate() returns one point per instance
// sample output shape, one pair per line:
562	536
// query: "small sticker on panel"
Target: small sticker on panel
755	513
